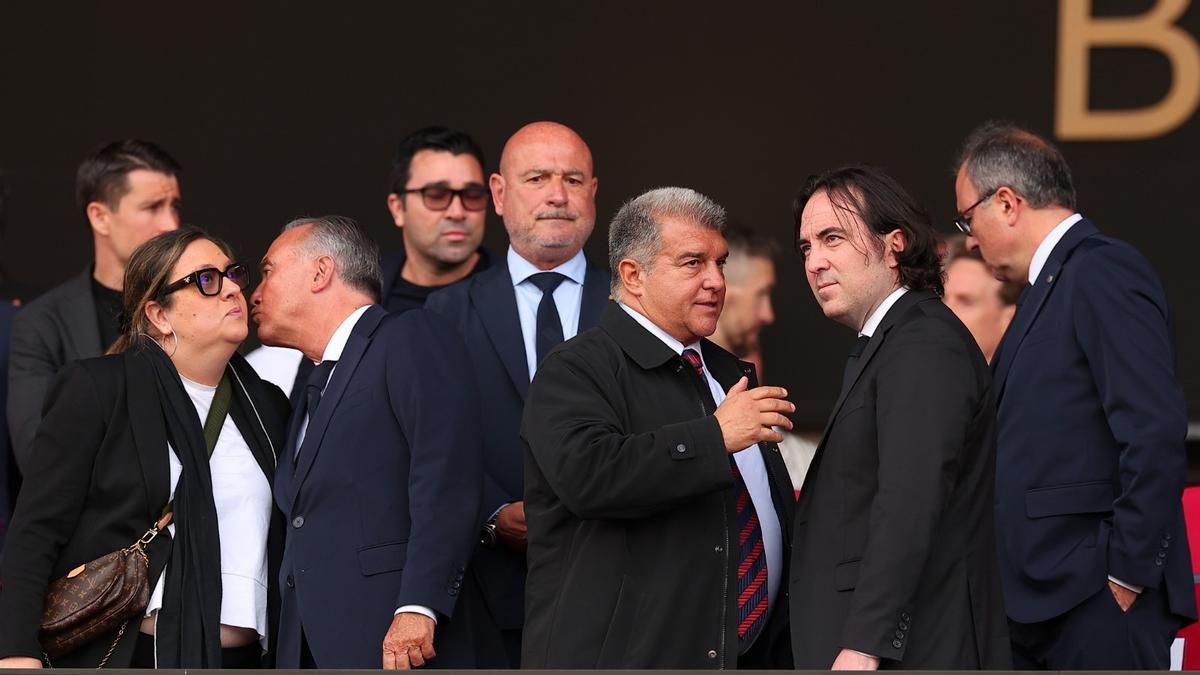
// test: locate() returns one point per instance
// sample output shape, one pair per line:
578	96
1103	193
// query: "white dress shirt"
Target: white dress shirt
567	298
750	465
881	311
243	500
333	351
1042	254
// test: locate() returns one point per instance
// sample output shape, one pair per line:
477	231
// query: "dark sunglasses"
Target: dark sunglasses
963	221
439	197
210	279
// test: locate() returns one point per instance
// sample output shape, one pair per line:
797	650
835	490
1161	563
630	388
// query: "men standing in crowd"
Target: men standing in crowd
510	316
1091	461
749	281
658	505
380	479
982	302
895	549
129	192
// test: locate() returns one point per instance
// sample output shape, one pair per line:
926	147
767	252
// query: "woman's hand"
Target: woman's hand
26	662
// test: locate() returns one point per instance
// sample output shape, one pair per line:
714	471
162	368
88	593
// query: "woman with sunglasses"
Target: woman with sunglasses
124	440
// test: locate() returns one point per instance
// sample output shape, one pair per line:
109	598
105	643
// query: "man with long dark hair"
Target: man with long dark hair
894	547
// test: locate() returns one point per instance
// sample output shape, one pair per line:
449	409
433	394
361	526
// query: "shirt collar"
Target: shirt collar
1044	249
881	311
521	269
675	345
337	343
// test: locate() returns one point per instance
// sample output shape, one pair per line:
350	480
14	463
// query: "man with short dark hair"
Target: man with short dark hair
380	478
749	281
543	292
439	201
982	302
1091	462
895	548
129	192
658	504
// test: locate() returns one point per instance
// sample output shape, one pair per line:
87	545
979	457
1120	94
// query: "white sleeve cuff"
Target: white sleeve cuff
418	609
1133	587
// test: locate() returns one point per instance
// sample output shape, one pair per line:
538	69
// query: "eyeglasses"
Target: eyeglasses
438	197
210	279
963	221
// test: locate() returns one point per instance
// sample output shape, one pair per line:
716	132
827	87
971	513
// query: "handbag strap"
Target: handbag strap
217	413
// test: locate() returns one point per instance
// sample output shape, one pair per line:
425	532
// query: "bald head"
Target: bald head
546	193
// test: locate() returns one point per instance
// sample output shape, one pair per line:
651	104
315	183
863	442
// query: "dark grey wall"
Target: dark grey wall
285	108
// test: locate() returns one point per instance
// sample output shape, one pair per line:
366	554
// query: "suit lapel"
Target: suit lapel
495	300
81	322
149	432
318	424
1034	300
595	297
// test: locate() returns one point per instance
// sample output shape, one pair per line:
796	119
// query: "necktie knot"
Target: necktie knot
547	281
859	345
692	357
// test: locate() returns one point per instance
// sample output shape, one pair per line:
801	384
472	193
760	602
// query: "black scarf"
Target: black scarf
188	630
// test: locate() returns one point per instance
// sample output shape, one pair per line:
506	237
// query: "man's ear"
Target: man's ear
1009	203
894	243
99	215
395	204
496	184
633	277
324	270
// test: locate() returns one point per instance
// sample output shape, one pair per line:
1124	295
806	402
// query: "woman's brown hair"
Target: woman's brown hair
147	273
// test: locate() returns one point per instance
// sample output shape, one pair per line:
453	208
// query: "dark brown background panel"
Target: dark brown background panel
278	109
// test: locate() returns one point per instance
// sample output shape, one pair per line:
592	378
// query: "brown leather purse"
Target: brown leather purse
97	597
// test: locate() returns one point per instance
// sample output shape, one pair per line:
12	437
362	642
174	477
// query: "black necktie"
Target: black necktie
856	351
549	326
312	392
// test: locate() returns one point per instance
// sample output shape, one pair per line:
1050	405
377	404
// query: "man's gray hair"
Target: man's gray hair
999	154
354	253
636	230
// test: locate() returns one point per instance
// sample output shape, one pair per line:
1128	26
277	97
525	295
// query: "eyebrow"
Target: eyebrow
832	229
565	172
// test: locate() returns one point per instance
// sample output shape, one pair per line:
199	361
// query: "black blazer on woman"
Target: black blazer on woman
99	477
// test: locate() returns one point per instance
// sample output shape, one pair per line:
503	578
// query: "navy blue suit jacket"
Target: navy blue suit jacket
381	505
1091	462
484	310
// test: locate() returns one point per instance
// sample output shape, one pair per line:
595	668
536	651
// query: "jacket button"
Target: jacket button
718	548
903	626
1167	535
899	634
905	617
291	583
1158	562
298	522
1162	554
712	653
897	644
681	448
1165	543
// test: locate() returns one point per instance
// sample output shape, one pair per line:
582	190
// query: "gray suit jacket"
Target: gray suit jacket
48	333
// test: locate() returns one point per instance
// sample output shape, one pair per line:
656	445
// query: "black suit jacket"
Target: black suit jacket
484	310
48	333
630	503
1092	462
381	503
99	478
7	466
895	551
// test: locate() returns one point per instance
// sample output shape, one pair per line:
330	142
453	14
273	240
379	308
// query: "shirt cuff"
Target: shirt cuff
869	656
418	609
1133	587
496	513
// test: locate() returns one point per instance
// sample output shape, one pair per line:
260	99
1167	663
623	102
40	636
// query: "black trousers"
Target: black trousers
240	658
1097	635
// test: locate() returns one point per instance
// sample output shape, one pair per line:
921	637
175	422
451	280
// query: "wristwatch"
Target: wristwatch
487	535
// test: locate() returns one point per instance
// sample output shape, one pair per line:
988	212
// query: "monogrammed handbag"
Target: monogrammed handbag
97	597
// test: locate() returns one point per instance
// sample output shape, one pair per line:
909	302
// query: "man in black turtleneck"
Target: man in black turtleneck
438	200
129	192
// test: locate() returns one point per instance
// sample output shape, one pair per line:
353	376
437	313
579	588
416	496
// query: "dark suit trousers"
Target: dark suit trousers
1097	635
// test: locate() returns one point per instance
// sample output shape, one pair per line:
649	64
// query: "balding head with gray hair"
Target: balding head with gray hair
355	254
636	230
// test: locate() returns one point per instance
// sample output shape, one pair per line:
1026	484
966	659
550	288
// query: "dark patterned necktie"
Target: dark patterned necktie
549	332
312	392
752	559
856	351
